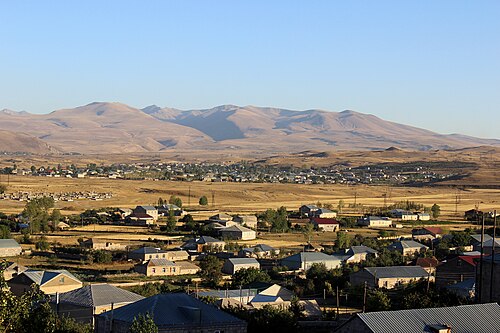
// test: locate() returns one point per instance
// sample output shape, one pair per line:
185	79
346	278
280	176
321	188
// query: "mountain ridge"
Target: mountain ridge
116	127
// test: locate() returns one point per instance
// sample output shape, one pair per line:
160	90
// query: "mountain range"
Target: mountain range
118	128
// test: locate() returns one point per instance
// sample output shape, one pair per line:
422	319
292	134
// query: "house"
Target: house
187	268
50	281
163	267
272	295
60	225
142	211
465	289
357	254
259	251
221	217
203	243
13	269
477	318
9	248
429	264
140	219
146	253
454	270
173	313
407	247
490	281
324	213
308	210
166	208
389	277
249	221
428	233
232	265
238	232
424	217
325	224
473	215
84	303
99	244
239	297
177	255
487	243
403	215
304	260
375	221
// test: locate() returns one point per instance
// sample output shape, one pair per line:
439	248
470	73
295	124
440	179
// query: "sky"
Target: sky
426	63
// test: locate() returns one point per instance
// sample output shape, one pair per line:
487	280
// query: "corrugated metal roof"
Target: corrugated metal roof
311	257
8	243
169	310
98	295
42	277
477	318
243	261
407	244
148	250
361	249
160	262
397	272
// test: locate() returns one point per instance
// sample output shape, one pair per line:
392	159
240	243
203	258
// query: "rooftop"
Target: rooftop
397	272
98	295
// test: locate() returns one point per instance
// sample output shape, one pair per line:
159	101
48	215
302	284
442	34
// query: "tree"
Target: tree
246	276
102	257
174	200
308	232
203	201
36	211
343	240
4	232
42	244
378	301
211	270
171	221
340	206
435	211
188	221
160	202
3	188
143	324
277	219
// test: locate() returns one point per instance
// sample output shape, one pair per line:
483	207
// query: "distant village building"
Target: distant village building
308	210
455	270
50	281
84	303
238	232
173	313
325	224
477	318
407	247
429	264
324	213
9	248
142	211
403	215
304	260
232	265
249	221
99	244
12	270
221	217
357	254
389	277
259	251
375	221
204	243
427	233
146	253
163	267
166	208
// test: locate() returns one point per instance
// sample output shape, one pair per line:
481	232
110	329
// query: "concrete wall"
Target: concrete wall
10	251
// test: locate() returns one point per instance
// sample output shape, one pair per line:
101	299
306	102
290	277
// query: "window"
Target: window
164	270
153	270
61	280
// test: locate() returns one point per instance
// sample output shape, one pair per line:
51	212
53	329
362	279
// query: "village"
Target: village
311	267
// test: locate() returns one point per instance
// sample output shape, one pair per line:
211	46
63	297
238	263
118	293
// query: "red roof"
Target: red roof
427	262
434	230
319	220
469	259
142	216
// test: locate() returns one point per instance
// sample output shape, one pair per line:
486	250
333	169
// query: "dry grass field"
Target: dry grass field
246	197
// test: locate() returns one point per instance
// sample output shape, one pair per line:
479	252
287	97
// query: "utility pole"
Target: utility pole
479	298
213	199
492	275
364	298
189	196
338	301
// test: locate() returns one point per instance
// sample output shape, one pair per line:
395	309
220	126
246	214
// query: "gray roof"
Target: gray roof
98	295
243	261
477	318
236	228
147	207
174	310
407	244
160	262
42	277
361	249
231	293
8	243
311	257
207	239
397	272
148	250
477	237
259	248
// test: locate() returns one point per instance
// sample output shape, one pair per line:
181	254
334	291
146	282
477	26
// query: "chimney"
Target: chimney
440	328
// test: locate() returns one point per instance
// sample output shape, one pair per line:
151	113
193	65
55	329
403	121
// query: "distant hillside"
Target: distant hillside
119	128
20	142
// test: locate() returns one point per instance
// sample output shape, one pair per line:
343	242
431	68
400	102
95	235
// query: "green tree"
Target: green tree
42	244
435	211
171	221
340	206
3	188
203	201
343	240
246	276
308	232
211	272
378	301
174	200
102	257
4	232
143	324
36	211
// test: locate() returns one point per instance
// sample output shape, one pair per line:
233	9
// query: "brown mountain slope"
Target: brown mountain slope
104	127
21	142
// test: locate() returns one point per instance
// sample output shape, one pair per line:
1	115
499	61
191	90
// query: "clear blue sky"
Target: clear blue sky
431	64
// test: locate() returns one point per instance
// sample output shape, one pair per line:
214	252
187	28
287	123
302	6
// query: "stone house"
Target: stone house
203	243
325	224
99	244
146	253
357	254
163	267
148	210
238	232
249	221
9	248
324	213
304	260
172	313
375	221
50	281
232	265
389	277
308	210
407	247
259	251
